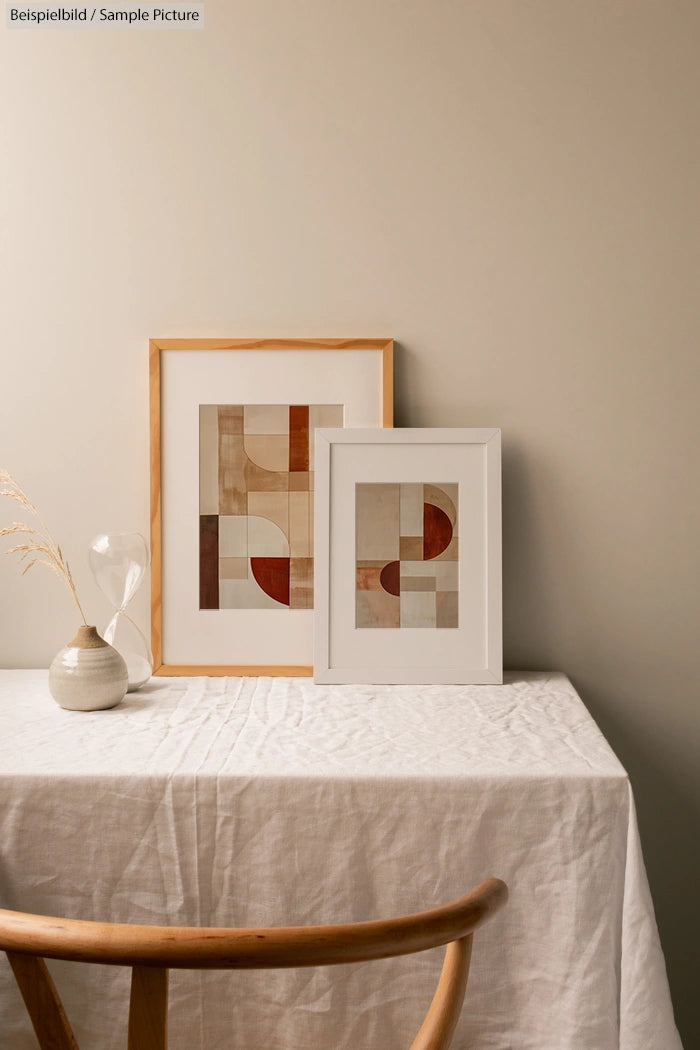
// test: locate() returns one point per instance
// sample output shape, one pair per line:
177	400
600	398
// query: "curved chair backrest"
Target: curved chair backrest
152	950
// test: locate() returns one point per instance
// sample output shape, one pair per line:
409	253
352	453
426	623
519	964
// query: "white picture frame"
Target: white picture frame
184	375
468	462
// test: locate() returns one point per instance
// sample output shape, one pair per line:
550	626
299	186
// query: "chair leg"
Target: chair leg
441	1019
43	1002
148	1008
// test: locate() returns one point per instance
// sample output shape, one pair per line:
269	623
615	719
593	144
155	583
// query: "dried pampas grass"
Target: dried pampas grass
39	548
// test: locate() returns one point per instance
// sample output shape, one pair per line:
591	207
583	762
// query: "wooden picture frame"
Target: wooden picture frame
408	556
195	380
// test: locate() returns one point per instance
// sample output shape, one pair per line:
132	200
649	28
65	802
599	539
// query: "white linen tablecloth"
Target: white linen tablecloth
243	801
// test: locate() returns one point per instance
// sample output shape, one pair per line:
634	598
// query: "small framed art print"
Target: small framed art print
232	492
408	556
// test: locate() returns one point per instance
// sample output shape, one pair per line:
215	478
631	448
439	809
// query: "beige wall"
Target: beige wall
509	189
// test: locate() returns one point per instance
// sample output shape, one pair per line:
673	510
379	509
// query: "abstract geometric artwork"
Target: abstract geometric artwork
256	493
406	555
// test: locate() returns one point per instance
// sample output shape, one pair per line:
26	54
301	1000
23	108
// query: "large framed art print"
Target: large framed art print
408	556
233	492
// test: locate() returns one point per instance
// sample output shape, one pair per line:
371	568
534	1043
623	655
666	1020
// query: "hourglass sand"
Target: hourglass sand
119	561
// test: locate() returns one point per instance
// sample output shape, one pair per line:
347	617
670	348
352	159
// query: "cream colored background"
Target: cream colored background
508	189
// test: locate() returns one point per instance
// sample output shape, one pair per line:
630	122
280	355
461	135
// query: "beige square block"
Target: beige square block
377	521
233	536
418	568
417	583
367	578
326	416
259	480
417	608
447	609
301	583
446	575
301	572
232	481
300	481
208	460
271	505
411	521
311	523
410	548
266	419
233	568
376	609
300	525
301	598
245	594
230	419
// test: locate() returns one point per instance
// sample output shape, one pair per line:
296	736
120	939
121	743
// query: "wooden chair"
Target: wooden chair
152	950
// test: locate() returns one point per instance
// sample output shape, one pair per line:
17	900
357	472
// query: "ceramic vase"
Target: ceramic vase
88	674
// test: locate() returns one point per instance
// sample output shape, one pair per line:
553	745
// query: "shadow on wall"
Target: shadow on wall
401	394
550	623
668	823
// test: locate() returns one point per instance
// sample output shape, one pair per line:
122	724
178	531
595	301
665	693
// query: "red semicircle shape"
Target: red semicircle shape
272	576
437	531
390	577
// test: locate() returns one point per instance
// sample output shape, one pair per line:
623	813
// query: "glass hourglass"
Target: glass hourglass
119	561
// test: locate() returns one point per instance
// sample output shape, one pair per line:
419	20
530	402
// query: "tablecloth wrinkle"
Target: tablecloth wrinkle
270	801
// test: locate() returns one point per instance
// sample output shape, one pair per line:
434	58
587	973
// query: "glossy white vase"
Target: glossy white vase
88	674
